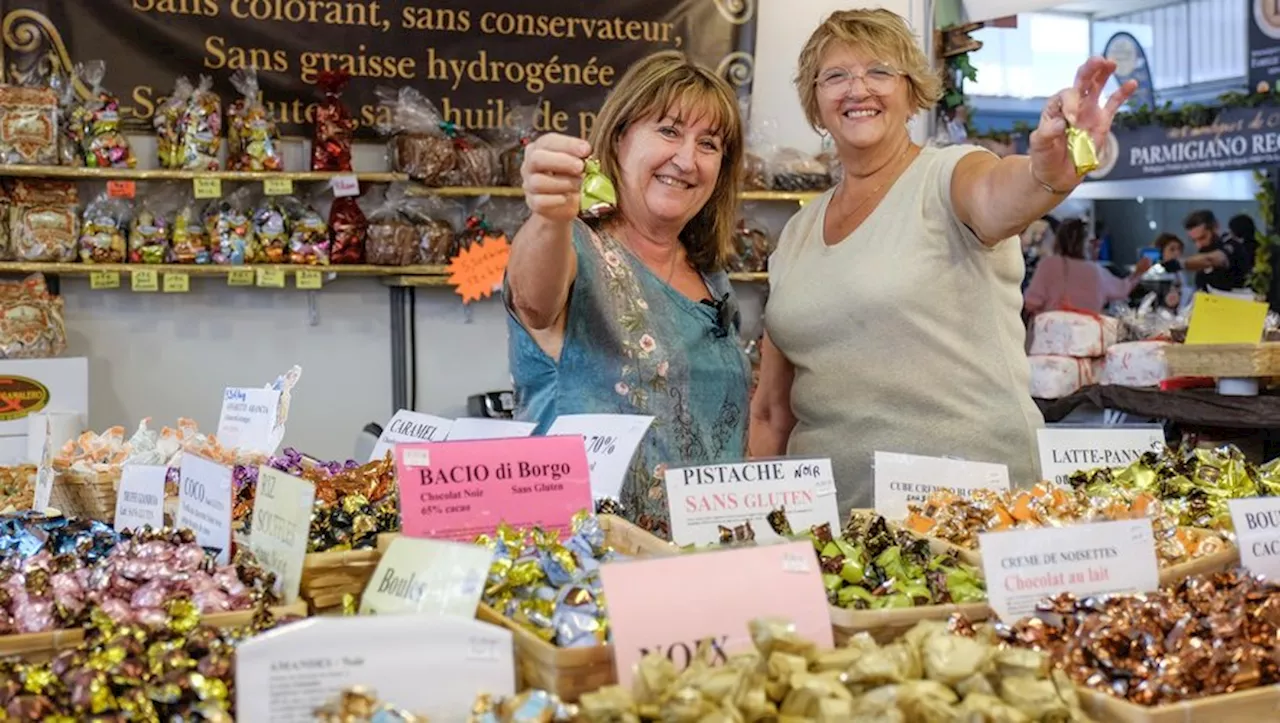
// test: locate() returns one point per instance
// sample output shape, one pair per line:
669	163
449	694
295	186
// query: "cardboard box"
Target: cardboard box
35	385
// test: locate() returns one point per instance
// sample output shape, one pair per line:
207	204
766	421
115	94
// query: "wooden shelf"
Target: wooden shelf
78	269
72	173
441	278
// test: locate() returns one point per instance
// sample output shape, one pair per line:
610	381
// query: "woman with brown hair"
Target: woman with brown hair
1068	280
893	321
633	313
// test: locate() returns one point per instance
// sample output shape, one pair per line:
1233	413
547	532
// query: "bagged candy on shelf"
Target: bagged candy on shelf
253	141
190	237
6	243
169	123
104	231
334	128
513	139
751	243
270	241
230	228
44	220
28	126
308	234
436	222
69	133
347	229
201	129
152	227
791	170
31	320
419	145
477	159
103	143
391	239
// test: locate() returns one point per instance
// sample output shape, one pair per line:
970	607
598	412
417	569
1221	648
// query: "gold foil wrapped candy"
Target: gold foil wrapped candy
1084	154
929	675
361	705
599	197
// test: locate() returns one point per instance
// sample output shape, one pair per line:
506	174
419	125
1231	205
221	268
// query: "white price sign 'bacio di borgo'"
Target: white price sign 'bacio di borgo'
611	441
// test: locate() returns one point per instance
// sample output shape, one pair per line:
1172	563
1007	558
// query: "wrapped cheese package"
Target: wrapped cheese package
1136	364
1054	377
1070	333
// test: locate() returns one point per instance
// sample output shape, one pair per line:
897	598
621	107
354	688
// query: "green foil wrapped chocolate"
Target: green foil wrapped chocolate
599	197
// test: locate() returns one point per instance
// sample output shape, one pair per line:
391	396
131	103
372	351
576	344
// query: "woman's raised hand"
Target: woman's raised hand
552	173
1078	106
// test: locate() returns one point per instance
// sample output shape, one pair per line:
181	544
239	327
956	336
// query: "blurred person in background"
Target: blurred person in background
1069	280
1171	248
1221	261
1037	243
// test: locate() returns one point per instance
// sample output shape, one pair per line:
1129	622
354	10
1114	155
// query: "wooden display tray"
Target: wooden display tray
1223	361
329	576
42	647
1250	706
570	672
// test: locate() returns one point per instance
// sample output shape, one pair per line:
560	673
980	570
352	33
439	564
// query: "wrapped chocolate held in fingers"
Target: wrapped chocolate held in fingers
1083	151
599	196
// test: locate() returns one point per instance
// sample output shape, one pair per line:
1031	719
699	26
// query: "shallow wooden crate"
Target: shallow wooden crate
1230	361
1250	706
570	672
42	647
327	577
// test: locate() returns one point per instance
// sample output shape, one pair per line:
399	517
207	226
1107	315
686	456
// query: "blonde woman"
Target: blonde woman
893	320
634	314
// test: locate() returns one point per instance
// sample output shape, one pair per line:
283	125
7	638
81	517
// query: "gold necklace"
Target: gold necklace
867	199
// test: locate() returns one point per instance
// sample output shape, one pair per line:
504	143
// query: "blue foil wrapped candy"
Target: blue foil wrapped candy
26	533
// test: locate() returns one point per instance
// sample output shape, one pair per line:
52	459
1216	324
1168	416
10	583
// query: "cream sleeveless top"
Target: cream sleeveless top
906	336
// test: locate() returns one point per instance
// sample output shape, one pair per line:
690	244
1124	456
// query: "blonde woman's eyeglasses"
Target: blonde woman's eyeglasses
879	79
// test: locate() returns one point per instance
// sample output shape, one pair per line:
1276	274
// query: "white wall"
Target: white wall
169	355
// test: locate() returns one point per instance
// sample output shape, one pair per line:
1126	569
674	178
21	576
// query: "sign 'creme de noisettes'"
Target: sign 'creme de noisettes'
458	490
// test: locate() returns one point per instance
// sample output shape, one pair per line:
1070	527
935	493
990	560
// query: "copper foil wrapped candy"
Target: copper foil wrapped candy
134	583
959	520
1193	486
182	671
1206	635
335	128
529	705
361	705
549	587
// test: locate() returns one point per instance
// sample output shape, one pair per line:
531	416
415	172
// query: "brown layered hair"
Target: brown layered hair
658	85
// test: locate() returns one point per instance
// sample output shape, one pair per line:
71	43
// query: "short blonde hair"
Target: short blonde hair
881	33
653	86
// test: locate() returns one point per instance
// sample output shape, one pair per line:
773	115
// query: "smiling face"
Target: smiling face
670	162
862	101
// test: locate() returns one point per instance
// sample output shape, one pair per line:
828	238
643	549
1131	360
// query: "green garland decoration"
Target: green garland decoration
1260	275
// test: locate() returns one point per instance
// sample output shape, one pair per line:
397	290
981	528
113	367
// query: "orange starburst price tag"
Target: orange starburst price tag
476	272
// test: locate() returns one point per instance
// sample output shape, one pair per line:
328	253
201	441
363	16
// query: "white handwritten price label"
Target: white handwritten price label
1257	525
427	576
140	499
345	185
204	503
611	441
44	470
248	419
904	479
1065	450
1023	567
282	673
280	525
701	499
407	426
468	428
